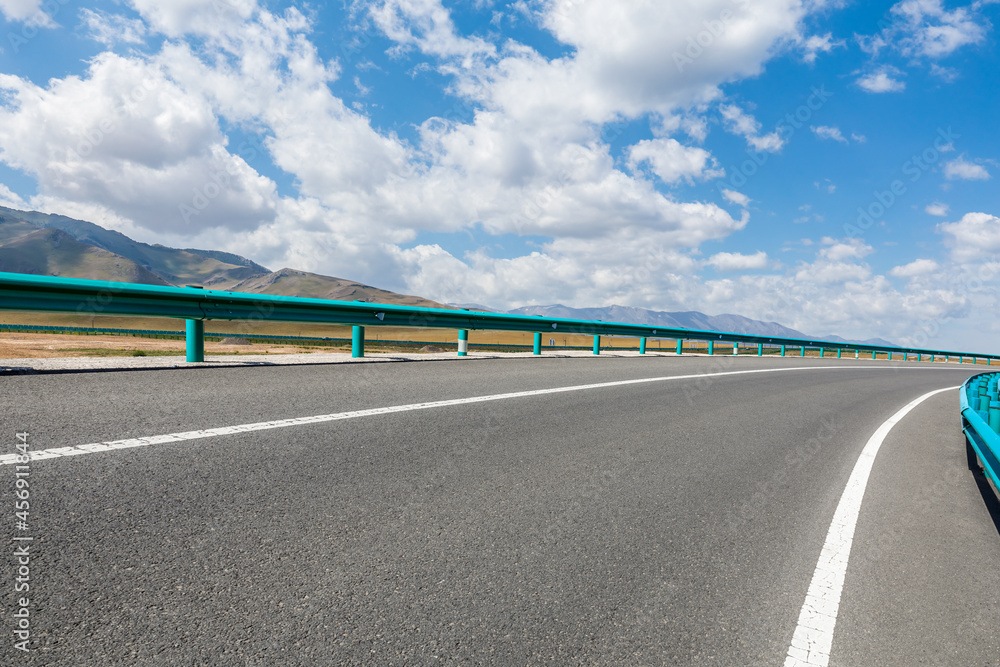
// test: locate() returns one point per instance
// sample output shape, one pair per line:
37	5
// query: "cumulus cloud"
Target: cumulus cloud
672	162
962	169
27	11
837	250
882	81
975	236
736	197
937	209
814	45
919	267
128	139
828	132
111	29
743	124
734	261
926	28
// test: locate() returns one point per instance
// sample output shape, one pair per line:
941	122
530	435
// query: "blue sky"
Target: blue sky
828	165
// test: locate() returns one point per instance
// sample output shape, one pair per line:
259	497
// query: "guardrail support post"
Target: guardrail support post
873	355
463	342
782	350
839	352
195	340
358	342
597	344
760	349
711	347
822	352
680	346
736	349
995	415
642	346
537	348
803	351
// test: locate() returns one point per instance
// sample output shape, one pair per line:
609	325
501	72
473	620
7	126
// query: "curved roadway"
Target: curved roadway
669	522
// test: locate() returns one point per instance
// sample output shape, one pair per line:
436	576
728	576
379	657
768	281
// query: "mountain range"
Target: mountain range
55	245
684	320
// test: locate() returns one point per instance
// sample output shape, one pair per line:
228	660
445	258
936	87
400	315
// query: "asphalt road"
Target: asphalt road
675	522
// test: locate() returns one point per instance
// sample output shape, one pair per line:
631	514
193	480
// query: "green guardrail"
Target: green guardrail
30	293
980	404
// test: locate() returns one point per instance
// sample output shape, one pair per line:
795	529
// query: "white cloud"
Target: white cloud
27	11
828	132
736	197
10	199
743	124
111	29
215	19
925	28
814	45
673	162
127	138
734	261
937	208
882	81
975	236
962	169
427	25
919	267
839	250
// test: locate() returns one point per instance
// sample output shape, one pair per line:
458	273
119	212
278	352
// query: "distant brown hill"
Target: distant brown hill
53	252
290	282
54	245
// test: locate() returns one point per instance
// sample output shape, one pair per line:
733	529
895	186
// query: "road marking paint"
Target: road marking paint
9	459
813	636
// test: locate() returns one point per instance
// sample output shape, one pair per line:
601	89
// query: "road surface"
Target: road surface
676	520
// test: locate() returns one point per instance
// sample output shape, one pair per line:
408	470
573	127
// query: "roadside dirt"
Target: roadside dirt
15	345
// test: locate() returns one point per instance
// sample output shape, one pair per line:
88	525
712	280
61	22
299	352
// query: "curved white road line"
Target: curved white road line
813	637
58	452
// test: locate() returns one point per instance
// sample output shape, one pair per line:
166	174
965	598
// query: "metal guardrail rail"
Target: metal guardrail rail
30	293
980	403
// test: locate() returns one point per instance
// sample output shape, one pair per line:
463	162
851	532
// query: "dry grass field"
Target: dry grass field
22	344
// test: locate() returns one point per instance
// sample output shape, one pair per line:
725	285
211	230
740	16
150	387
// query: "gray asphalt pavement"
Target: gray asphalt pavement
663	523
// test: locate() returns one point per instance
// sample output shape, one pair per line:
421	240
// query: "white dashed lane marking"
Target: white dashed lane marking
77	450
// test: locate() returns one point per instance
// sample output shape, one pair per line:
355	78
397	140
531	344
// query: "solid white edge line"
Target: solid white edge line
58	452
813	637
